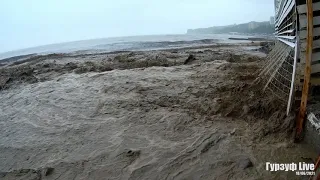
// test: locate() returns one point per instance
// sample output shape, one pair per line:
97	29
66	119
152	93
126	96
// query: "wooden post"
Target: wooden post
307	72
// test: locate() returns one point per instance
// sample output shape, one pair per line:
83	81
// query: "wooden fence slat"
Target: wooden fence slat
303	33
303	21
315	57
303	46
302	9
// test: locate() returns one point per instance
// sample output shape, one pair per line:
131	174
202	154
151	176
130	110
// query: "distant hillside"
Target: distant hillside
247	28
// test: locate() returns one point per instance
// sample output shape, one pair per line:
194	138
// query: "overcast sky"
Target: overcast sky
28	23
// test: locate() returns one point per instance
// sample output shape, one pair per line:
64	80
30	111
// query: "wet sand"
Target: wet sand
143	115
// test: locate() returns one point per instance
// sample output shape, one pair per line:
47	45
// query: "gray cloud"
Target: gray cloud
27	23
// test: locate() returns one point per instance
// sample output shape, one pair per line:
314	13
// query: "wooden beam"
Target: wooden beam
303	21
303	33
316	44
307	72
315	68
315	81
315	56
302	9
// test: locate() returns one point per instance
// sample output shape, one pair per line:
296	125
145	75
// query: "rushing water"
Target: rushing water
128	43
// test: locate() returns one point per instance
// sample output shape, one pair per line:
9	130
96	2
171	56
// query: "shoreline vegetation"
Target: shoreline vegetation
245	28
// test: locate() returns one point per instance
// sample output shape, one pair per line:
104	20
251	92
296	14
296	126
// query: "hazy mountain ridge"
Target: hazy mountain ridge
247	28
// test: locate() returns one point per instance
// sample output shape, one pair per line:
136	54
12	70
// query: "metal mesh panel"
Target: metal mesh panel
277	72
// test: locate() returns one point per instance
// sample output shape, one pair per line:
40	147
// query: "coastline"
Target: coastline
131	43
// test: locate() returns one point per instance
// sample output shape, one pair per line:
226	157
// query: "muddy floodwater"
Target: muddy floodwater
143	115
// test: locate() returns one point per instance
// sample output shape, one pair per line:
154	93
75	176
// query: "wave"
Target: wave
139	45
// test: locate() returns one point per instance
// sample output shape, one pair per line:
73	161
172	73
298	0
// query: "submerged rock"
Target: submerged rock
190	59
